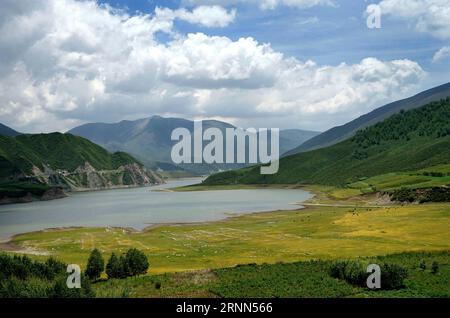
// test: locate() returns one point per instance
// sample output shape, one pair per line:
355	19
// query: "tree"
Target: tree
136	262
95	265
113	267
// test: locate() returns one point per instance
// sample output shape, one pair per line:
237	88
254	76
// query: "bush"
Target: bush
393	276
33	287
423	265
404	195
435	268
59	289
95	265
22	267
21	277
350	271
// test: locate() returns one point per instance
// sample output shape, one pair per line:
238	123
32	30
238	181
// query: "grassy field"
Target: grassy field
301	279
317	232
436	176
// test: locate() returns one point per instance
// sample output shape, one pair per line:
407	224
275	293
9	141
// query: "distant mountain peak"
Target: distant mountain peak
7	131
149	139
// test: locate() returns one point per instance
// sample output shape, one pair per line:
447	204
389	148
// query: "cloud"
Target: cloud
443	53
208	16
266	4
71	62
427	16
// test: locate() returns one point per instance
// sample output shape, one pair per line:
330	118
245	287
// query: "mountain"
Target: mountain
68	162
292	138
7	131
406	141
340	133
149	140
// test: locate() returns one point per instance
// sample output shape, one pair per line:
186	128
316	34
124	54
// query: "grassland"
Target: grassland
436	176
293	249
300	279
317	232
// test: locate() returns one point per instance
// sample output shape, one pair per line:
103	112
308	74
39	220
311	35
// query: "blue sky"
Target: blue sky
310	64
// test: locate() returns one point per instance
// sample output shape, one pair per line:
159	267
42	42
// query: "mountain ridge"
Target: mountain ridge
410	140
67	162
8	131
148	139
340	133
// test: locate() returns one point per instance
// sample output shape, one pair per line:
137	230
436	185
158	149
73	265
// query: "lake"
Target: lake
142	207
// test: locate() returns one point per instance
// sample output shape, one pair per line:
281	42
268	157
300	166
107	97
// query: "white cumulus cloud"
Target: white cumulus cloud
429	16
209	16
66	62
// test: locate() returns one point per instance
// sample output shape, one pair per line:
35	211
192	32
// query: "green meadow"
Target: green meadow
299	279
316	232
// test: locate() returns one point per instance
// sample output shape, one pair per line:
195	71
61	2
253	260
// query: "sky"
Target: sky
308	64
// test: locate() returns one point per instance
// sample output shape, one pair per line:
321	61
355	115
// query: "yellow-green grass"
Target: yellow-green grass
396	180
317	232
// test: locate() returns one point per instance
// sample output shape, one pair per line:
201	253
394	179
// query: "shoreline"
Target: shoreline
8	242
227	215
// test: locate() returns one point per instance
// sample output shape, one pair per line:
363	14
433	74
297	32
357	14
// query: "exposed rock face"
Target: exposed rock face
86	177
83	178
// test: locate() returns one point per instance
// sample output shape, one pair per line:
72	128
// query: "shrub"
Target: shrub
423	265
95	265
350	271
435	268
59	289
404	195
33	287
393	276
22	277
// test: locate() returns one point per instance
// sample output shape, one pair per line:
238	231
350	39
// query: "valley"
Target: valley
380	195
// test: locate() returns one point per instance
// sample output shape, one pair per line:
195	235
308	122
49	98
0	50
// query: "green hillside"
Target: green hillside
411	140
341	133
56	150
45	166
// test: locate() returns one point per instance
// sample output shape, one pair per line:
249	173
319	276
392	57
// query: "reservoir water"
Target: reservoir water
142	207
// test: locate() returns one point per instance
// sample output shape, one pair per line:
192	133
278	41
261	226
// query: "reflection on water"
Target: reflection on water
142	207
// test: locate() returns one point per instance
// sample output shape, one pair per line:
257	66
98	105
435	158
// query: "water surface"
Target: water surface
141	207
